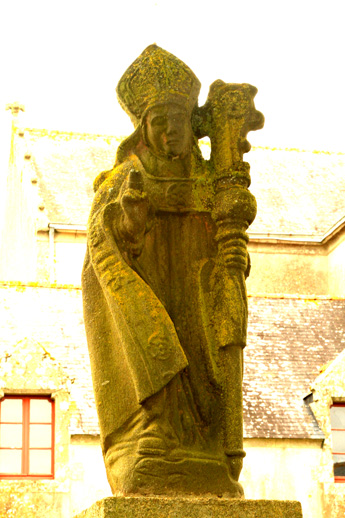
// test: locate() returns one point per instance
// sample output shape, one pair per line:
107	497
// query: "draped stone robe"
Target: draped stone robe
156	319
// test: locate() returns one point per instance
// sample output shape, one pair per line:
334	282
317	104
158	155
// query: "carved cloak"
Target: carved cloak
148	319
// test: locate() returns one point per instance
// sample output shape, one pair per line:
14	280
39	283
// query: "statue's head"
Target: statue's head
159	93
167	129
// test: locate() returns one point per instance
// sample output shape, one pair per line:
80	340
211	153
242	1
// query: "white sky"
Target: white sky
62	59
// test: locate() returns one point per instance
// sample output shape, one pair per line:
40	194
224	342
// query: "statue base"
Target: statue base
190	507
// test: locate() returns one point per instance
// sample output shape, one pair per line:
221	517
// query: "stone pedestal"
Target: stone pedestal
193	507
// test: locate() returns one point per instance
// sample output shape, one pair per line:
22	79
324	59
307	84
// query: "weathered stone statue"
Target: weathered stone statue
164	284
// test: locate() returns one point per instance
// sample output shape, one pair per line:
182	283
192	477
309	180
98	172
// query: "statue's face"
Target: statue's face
168	129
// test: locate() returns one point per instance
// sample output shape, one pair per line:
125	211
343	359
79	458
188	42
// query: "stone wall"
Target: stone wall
287	269
327	389
28	369
301	269
336	267
284	469
88	478
60	257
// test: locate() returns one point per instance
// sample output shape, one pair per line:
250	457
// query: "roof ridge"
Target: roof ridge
45	131
314	151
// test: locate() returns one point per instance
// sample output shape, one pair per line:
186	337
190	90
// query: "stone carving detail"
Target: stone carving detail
159	347
164	284
178	194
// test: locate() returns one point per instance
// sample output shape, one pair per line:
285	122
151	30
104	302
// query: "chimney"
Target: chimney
17	219
15	108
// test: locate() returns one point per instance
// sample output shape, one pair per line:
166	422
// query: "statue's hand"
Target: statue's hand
234	254
135	205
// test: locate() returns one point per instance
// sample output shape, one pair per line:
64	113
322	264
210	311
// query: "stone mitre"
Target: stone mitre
155	77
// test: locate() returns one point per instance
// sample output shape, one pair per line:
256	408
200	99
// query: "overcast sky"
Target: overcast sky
62	59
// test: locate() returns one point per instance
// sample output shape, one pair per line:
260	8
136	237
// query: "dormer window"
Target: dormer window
26	437
338	440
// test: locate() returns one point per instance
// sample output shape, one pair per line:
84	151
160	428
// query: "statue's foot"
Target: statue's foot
151	445
177	473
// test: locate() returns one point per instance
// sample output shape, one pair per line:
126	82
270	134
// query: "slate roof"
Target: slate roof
288	341
66	165
298	192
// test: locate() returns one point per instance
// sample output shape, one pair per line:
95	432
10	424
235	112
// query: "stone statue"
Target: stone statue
164	284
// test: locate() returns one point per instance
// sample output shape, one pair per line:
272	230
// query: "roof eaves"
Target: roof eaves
299	239
65	227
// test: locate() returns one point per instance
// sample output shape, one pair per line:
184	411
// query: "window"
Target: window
338	440
26	437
